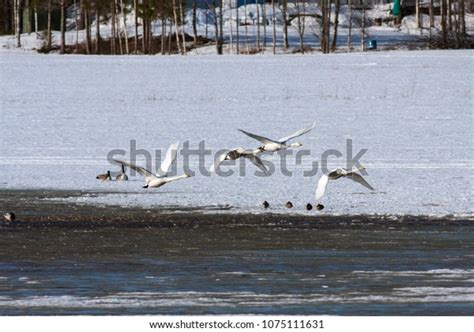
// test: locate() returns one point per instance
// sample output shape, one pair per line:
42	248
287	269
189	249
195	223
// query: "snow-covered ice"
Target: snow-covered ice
412	111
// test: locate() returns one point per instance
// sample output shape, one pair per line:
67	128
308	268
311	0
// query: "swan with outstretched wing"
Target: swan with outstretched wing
337	174
249	154
160	179
272	145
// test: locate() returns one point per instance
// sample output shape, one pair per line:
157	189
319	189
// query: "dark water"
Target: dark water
221	270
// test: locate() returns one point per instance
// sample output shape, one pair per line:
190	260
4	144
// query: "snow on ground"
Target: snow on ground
388	36
412	111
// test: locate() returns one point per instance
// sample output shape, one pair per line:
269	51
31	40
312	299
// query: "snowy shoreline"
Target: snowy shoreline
379	26
52	208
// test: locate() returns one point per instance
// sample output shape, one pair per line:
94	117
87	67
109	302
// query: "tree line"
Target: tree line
138	16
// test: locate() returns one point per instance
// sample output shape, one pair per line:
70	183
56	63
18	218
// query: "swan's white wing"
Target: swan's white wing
169	159
359	179
177	177
354	169
322	184
146	173
246	152
257	162
261	139
218	161
298	133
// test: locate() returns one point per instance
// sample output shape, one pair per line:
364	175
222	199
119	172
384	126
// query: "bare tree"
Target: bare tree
325	24
97	27
76	26
135	8
257	6
362	28
246	28
35	9
147	18
349	37
16	11
87	25
112	28
181	13
26	16
144	30
444	31
336	23
175	16
149	27
217	25
49	37
264	15
231	25
124	17
300	22
194	24
431	13
417	13
273	28
284	13
163	28
456	24
118	30
169	37
62	48
207	18
221	28
449	14
7	17
462	20
237	25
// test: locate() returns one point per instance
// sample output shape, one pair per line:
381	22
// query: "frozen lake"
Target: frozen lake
412	111
374	270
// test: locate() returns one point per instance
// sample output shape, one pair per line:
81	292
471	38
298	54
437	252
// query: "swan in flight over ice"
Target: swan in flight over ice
279	144
250	154
339	173
162	178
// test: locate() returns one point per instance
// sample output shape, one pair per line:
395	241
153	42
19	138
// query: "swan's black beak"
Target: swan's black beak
145	186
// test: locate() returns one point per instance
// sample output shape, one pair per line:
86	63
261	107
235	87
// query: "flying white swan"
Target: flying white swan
250	154
279	144
162	178
338	173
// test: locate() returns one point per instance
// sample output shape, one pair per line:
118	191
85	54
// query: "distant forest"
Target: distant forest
131	23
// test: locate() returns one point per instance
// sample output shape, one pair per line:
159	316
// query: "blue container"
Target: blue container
372	44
